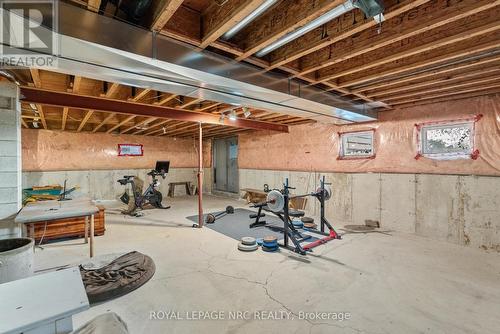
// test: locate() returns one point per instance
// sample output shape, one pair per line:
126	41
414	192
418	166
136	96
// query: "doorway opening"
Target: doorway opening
225	165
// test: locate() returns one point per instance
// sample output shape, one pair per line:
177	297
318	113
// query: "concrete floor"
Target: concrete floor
397	283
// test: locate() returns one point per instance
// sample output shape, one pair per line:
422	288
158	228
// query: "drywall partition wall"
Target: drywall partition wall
44	150
315	147
10	158
460	209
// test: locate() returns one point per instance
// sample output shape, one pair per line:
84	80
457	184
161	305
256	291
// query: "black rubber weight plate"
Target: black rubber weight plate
119	277
247	248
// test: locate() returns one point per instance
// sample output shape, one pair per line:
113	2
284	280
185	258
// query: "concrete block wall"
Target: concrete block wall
464	210
103	185
10	158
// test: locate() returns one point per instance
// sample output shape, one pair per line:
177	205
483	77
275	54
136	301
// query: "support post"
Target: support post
200	177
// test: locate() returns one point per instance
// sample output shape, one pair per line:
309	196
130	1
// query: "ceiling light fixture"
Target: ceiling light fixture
221	119
232	115
249	18
33	106
334	13
246	112
164	130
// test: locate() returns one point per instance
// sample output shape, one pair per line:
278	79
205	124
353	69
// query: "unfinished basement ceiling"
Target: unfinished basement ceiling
420	52
66	118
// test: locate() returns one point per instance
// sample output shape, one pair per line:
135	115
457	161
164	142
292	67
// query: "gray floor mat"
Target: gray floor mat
237	225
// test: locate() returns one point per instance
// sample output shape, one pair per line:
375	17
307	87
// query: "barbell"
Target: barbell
211	218
276	201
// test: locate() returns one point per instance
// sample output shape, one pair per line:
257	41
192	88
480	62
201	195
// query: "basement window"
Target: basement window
357	145
447	140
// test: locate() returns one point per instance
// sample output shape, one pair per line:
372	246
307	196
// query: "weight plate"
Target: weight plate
270	249
310	225
270	239
249	241
270	245
247	248
327	190
307	220
275	201
210	219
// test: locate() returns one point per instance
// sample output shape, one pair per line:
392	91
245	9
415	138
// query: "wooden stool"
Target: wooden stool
171	187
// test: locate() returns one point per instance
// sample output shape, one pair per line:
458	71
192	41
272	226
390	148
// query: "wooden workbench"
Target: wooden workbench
53	211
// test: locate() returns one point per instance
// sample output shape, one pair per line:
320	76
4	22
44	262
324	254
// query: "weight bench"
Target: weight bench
281	214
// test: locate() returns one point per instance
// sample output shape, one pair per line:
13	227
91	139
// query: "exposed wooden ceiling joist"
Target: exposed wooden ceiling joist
327	74
217	19
162	11
401	27
476	49
63	99
282	19
335	32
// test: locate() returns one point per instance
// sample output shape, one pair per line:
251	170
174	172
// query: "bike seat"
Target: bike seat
128	176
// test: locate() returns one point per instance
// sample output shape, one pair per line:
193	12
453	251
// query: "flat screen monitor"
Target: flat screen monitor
162	167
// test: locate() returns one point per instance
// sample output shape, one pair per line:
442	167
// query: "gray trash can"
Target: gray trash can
16	259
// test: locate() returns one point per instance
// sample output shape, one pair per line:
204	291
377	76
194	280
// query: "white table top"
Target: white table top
31	302
51	210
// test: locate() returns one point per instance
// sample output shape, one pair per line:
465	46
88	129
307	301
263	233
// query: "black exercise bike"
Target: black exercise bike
151	196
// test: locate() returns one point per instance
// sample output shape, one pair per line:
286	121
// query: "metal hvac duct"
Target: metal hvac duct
103	48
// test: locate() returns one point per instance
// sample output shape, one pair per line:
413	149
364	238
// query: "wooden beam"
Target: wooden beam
39	108
190	103
77	83
441	88
166	99
35	76
428	74
179	129
331	73
94	5
64	118
494	85
171	125
477	49
209	106
163	122
422	19
125	121
85	120
24	124
64	99
284	18
139	96
218	19
112	90
448	98
438	81
337	31
104	121
141	123
162	11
